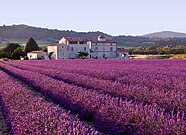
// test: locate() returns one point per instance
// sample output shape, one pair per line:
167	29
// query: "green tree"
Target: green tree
17	53
31	45
3	54
82	54
10	48
161	51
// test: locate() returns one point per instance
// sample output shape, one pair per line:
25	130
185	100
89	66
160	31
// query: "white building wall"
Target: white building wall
63	41
70	51
101	55
38	55
101	49
75	48
53	49
62	51
32	56
104	51
41	55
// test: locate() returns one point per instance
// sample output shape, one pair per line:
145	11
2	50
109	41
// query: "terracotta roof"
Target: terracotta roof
107	41
36	51
72	39
55	44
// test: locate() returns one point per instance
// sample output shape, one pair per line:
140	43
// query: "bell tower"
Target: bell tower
102	37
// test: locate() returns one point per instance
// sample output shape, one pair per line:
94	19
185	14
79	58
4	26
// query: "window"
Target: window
85	49
73	42
72	48
103	49
96	49
111	49
62	46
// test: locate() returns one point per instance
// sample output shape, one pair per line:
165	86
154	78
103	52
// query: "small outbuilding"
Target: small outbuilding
122	53
37	55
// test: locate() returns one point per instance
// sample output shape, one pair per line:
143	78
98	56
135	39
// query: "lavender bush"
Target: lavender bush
109	114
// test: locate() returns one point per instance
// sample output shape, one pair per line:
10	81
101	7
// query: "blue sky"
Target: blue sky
116	17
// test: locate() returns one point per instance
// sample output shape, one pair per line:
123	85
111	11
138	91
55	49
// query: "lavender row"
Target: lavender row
4	130
74	66
158	74
111	115
171	99
113	69
30	114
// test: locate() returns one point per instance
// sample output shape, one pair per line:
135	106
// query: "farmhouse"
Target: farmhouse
70	48
37	55
103	48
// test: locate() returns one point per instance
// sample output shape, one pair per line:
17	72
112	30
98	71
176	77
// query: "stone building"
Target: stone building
35	55
103	48
69	48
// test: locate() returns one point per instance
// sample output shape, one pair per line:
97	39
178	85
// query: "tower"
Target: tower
102	37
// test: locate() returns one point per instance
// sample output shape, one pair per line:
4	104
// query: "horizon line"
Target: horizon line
140	35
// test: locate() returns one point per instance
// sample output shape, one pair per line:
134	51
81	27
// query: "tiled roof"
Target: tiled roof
72	39
54	44
107	41
37	51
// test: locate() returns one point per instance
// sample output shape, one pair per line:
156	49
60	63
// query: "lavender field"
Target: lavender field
81	97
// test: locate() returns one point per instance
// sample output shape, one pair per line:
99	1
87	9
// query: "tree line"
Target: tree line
168	49
15	51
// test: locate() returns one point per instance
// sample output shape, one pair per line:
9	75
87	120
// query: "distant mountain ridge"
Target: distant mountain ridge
24	32
166	34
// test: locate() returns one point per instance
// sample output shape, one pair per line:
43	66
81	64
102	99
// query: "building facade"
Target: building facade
103	48
122	54
69	48
35	55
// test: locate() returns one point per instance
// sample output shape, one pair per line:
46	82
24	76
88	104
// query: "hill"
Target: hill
166	34
23	32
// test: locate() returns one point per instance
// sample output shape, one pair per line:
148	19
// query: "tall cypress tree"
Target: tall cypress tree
31	45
